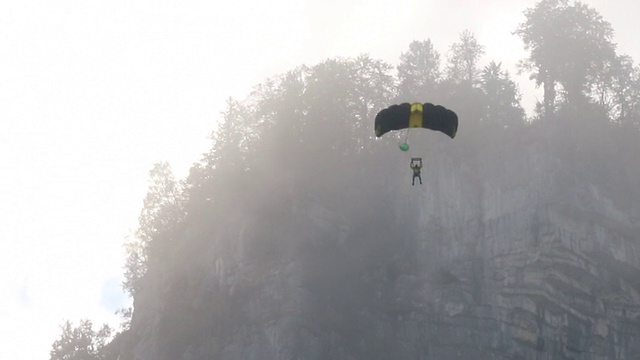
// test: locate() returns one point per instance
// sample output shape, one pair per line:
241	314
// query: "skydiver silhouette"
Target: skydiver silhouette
416	165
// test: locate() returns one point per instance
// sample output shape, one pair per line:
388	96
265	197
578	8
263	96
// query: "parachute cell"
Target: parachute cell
416	115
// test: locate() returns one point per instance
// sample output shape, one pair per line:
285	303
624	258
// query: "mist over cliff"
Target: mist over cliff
300	236
304	239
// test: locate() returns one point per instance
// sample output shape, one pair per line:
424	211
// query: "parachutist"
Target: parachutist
416	165
416	115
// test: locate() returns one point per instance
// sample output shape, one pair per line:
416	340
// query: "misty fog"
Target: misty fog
298	235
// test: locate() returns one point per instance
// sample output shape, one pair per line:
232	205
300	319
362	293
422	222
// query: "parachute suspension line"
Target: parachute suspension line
404	146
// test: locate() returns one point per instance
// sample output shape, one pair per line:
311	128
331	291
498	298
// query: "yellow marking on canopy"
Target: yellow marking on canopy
415	118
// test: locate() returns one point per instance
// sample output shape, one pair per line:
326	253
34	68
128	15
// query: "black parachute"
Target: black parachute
416	115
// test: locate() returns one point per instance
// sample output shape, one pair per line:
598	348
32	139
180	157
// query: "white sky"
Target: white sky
93	93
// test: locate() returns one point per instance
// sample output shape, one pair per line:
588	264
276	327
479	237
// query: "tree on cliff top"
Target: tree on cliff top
569	45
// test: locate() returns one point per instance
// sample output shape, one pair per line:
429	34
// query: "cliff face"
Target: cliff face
523	250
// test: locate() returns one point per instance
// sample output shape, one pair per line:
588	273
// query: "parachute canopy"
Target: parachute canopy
416	115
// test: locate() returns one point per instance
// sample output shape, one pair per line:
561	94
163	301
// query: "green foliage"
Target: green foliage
126	314
162	212
233	138
569	45
319	112
502	96
419	72
463	59
460	89
618	90
81	342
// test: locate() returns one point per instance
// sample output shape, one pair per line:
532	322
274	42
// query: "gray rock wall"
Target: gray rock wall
517	255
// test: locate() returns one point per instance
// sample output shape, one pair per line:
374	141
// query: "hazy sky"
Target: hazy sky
92	93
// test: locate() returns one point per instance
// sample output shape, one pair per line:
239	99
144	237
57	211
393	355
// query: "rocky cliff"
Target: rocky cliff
525	246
